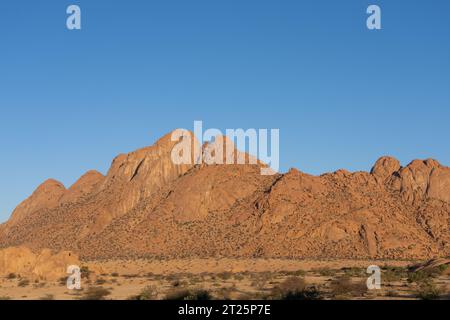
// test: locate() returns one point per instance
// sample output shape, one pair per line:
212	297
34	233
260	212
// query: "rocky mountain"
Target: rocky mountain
147	206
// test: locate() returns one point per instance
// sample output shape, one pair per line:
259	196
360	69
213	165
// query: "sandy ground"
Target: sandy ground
222	278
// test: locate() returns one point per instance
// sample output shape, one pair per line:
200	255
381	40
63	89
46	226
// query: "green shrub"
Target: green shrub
424	275
325	272
428	291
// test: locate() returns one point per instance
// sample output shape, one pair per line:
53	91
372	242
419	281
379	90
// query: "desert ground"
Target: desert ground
231	279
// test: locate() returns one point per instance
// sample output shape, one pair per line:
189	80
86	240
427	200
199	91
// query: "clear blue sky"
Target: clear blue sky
340	94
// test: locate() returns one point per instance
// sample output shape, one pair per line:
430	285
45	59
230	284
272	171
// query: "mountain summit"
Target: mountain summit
147	206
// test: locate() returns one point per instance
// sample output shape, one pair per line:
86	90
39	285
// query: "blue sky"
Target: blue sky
341	95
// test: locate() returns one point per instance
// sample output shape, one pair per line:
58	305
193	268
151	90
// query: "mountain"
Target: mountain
147	206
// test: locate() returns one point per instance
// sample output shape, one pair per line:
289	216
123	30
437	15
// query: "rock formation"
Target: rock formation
147	206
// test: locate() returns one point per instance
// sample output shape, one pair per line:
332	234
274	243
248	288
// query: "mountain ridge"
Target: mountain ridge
146	206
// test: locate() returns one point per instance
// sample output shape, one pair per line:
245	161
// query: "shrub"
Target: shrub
354	272
423	275
188	295
428	291
392	274
47	297
11	276
343	286
299	273
325	272
443	268
95	293
294	288
85	272
63	281
100	281
225	275
114	274
148	293
239	277
23	283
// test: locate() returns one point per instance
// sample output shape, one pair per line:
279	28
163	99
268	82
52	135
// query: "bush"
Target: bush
294	288
299	273
85	272
423	275
428	291
239	277
325	272
393	274
63	281
95	293
47	297
225	275
11	276
23	283
148	293
188	295
443	268
355	272
343	286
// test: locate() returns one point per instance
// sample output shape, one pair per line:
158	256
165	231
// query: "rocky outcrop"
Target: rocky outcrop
43	265
147	205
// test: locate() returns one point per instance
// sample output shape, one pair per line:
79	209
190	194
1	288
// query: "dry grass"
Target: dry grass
343	286
95	293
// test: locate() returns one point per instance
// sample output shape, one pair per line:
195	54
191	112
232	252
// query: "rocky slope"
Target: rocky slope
146	206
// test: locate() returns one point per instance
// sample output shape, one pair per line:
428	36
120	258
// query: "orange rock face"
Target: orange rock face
43	265
147	206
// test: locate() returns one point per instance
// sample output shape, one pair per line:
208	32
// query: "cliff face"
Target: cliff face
148	206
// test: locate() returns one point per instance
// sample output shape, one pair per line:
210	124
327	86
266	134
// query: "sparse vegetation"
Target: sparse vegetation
225	275
95	293
294	288
63	281
344	287
188	295
239	277
428	291
423	275
11	276
85	272
148	293
393	274
23	283
47	297
325	272
354	272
